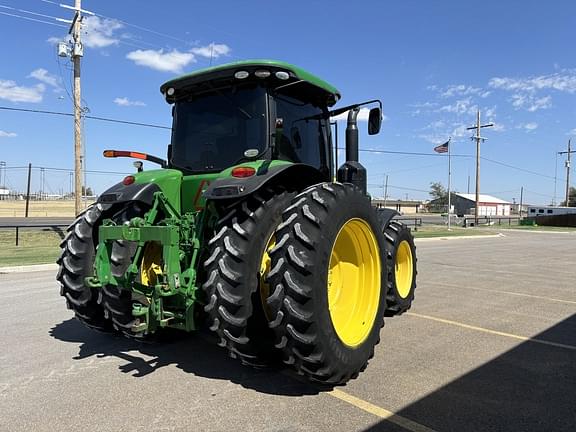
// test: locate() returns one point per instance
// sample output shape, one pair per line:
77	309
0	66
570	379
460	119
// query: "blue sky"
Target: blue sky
433	63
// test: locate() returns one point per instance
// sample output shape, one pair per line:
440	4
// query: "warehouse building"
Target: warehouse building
403	207
464	203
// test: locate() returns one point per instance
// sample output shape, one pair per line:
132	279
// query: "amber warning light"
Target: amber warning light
135	155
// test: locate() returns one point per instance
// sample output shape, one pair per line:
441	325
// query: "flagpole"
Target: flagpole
449	180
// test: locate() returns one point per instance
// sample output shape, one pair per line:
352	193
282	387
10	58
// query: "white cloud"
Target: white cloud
572	132
422	107
212	50
4	134
124	101
530	102
53	40
12	92
528	127
44	76
460	90
99	32
362	116
564	81
460	131
498	127
173	61
462	106
436	138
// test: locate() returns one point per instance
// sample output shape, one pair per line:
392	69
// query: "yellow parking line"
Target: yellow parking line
379	412
505	292
494	332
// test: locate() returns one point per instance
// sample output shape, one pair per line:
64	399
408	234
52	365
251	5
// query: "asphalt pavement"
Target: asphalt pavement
490	345
35	221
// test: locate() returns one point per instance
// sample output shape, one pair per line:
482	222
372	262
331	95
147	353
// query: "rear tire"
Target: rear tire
233	282
76	263
326	279
400	268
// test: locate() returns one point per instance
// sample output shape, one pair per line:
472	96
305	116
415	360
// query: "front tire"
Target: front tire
326	279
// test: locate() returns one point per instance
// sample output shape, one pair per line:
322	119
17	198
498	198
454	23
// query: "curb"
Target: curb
29	268
418	240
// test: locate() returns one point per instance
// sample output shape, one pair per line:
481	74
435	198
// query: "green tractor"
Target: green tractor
248	230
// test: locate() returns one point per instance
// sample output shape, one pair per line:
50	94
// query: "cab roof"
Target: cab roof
228	70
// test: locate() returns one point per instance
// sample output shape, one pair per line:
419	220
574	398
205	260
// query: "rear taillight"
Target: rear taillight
128	180
242	172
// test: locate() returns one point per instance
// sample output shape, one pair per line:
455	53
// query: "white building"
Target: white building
488	205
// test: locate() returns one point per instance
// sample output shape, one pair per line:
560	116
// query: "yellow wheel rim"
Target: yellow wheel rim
265	265
151	267
404	269
354	282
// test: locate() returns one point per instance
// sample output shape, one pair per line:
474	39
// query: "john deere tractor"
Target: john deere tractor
247	230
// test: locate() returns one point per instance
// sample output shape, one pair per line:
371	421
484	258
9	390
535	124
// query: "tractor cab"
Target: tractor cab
250	110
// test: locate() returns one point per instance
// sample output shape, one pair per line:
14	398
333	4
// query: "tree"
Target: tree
87	191
571	198
438	193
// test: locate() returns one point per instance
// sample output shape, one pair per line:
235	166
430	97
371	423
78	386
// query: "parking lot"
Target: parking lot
490	345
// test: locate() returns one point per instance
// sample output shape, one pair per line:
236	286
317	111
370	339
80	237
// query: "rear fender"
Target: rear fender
291	176
145	185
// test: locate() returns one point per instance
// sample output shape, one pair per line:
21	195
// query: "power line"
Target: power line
32	19
63	169
517	168
28	12
129	24
105	119
404	153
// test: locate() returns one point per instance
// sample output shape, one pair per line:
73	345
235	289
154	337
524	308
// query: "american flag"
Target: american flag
442	148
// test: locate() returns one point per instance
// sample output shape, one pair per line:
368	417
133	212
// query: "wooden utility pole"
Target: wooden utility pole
478	138
567	202
77	53
386	191
28	190
521	202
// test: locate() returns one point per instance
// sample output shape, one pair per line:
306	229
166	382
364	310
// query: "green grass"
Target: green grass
35	247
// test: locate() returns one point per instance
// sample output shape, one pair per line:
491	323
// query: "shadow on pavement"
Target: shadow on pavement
529	388
188	352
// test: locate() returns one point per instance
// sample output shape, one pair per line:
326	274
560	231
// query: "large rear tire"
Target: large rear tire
326	281
401	268
76	262
235	270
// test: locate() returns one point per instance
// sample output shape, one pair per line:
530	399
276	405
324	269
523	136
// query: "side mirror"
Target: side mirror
374	121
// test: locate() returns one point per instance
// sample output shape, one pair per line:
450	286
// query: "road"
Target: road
490	345
31	221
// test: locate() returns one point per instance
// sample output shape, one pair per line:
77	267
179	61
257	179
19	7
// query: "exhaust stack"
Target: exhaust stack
352	170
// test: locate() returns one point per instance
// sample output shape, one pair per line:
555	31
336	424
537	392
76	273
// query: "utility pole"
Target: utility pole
3	171
568	173
28	190
521	202
77	53
386	191
478	138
